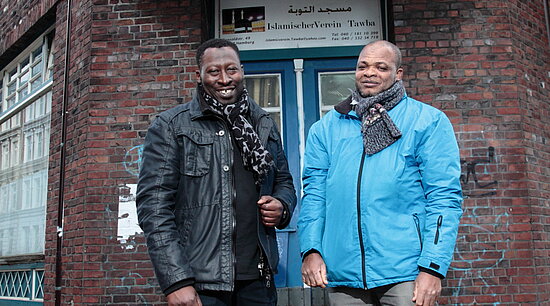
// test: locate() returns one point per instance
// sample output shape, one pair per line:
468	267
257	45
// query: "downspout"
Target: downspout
61	203
298	70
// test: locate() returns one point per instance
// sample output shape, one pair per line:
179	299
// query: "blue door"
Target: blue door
297	92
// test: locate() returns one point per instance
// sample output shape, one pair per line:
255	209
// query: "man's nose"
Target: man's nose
225	78
369	72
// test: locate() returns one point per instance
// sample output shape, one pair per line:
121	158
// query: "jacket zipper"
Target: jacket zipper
439	222
233	209
233	213
263	249
418	231
359	220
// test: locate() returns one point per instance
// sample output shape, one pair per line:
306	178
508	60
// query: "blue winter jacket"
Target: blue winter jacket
375	219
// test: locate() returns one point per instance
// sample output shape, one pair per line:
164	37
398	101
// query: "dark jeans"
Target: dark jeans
247	292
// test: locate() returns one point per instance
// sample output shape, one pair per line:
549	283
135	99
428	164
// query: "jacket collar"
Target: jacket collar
198	107
344	107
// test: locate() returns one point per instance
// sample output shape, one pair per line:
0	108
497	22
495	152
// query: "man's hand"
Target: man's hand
426	289
314	271
186	296
271	210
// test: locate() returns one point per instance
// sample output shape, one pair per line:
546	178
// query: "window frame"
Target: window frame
16	166
21	102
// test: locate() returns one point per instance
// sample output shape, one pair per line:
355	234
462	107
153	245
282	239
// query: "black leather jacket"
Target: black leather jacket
186	190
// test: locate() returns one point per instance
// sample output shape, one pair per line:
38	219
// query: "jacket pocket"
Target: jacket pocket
185	221
418	228
197	152
439	223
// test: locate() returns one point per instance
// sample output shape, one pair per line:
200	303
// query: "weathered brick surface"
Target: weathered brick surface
532	55
74	246
127	64
485	63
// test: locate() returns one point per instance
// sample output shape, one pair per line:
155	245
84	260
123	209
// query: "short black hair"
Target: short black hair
214	43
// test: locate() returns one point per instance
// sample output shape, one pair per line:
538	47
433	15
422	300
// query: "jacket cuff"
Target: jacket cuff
179	285
285	218
304	255
439	266
431	272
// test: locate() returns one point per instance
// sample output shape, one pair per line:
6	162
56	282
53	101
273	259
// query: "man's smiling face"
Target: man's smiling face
376	70
221	74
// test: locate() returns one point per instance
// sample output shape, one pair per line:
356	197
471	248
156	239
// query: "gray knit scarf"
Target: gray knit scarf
255	157
378	130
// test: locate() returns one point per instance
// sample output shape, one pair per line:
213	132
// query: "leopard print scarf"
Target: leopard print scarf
255	157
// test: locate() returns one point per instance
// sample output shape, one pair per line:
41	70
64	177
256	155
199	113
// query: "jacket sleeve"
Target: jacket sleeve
156	194
438	158
312	211
283	186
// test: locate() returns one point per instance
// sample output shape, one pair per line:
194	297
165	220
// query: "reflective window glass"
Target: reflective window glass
334	87
24	141
265	89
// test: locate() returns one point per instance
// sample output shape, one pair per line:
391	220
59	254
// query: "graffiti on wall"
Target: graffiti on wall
477	252
132	160
470	177
478	249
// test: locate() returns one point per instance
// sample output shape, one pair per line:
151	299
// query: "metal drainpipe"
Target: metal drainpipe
61	203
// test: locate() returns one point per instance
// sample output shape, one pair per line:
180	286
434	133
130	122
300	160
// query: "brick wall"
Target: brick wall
532	54
129	60
142	63
485	63
482	62
74	244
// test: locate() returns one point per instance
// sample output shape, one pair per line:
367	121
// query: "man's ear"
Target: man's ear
198	76
399	74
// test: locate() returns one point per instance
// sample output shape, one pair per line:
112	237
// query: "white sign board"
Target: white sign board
282	24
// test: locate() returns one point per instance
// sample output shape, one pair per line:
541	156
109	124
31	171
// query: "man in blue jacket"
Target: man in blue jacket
382	195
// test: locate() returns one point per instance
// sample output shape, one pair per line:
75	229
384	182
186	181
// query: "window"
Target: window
265	89
4	158
25	108
26	76
333	88
14	159
22	284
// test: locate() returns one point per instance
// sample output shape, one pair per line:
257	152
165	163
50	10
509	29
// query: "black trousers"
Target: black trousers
246	293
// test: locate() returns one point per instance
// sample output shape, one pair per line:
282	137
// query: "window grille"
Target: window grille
25	284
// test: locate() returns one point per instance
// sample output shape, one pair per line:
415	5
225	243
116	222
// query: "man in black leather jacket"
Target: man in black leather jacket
213	186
